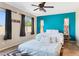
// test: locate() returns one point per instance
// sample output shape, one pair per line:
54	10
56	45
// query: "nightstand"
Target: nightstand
67	39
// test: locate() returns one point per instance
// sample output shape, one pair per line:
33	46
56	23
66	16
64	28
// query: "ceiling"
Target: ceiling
59	7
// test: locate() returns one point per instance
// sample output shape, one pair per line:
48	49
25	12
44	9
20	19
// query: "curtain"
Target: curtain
8	25
32	28
22	29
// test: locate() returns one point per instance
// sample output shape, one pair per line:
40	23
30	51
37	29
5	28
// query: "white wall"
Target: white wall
77	26
16	26
16	16
16	39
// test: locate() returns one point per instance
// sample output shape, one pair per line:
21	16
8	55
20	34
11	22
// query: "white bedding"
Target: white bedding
36	48
45	44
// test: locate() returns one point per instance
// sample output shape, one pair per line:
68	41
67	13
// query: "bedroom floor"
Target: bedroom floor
69	50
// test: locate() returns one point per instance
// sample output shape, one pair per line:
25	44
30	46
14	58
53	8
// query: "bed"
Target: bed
45	44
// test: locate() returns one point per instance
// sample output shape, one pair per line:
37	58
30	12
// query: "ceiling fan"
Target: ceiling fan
41	7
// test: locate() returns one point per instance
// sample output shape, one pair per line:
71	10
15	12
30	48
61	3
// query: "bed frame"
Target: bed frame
61	52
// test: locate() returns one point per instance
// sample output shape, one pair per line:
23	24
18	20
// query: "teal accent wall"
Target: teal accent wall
57	22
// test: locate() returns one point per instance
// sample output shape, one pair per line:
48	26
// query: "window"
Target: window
2	22
66	26
42	26
28	24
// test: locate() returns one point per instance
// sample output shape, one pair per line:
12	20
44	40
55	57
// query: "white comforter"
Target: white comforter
36	48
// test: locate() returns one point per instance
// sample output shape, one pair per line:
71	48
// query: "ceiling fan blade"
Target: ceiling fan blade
48	6
35	9
43	3
34	5
44	10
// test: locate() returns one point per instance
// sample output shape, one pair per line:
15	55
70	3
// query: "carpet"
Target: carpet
16	53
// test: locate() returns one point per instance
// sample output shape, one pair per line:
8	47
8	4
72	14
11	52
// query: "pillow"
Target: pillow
52	32
42	37
52	35
53	39
60	38
45	39
39	36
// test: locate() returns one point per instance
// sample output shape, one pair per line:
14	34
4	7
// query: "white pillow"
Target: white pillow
60	38
52	32
53	39
39	36
45	39
42	37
